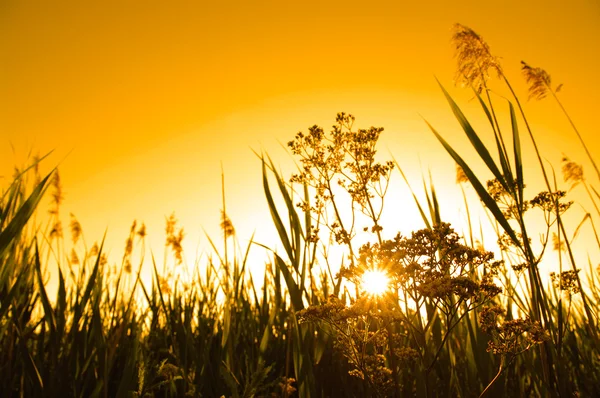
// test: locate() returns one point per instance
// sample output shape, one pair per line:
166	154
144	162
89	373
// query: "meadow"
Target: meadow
428	314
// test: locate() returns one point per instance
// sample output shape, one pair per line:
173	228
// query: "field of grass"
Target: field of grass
453	320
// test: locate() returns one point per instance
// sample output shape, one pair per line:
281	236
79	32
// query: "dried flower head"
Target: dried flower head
557	243
74	257
566	281
57	194
142	231
36	169
473	57
510	337
94	250
539	81
129	241
56	231
460	175
164	285
76	230
547	201
572	172
127	266
103	260
227	225
174	238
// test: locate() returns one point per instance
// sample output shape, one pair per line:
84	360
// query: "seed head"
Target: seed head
572	172
539	81
460	175
474	58
75	229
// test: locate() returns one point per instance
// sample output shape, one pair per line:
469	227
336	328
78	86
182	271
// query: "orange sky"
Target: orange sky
142	102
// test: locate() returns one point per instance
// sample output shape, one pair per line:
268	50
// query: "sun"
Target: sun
375	282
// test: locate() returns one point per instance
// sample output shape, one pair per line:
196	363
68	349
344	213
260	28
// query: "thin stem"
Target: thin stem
576	132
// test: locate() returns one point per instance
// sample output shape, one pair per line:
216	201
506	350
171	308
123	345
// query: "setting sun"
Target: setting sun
375	282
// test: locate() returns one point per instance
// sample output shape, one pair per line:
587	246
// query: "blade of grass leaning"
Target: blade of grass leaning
481	149
275	214
517	153
16	225
61	306
423	216
18	178
80	305
293	290
436	215
481	191
502	153
12	293
30	367
295	226
48	311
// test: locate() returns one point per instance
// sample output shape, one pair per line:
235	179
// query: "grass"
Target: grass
454	320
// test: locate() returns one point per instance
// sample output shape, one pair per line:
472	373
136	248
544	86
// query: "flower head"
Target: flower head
474	58
539	81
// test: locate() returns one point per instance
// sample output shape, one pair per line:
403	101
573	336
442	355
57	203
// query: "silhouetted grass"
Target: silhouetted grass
454	321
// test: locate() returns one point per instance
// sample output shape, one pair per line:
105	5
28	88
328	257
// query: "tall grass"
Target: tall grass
454	321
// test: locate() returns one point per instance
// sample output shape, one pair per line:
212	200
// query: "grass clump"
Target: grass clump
453	318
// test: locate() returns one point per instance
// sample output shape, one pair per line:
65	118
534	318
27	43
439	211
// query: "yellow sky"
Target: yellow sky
142	101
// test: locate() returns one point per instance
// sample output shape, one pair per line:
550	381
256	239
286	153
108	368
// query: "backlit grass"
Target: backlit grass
427	314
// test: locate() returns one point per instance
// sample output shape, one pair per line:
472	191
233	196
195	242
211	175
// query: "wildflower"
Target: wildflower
488	318
474	58
572	172
496	189
546	201
406	355
343	158
539	81
510	337
520	267
566	281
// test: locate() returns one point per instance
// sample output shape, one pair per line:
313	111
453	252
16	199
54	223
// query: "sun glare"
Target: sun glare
375	282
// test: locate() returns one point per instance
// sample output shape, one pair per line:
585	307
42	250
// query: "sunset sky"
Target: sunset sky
143	101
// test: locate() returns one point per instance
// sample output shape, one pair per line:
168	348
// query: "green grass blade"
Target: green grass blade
275	214
294	291
48	311
30	367
481	149
517	153
295	226
16	225
503	156
423	216
481	191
